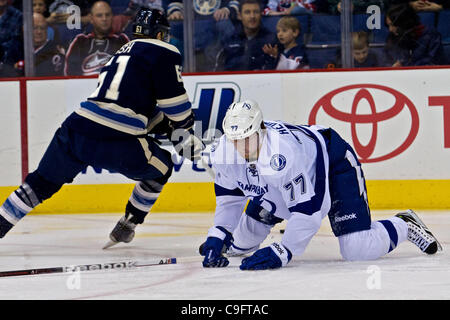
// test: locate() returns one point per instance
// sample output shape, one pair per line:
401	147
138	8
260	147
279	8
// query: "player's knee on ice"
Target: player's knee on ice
253	228
248	235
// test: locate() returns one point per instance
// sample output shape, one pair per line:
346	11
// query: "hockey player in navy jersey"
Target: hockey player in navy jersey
140	91
300	174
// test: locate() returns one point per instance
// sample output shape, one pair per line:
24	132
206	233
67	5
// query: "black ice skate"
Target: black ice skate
418	233
122	232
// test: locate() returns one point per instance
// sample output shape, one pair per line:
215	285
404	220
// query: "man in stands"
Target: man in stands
88	53
243	50
11	48
48	59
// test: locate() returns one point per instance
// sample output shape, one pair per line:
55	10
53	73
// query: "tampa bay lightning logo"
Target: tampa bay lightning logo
278	162
206	7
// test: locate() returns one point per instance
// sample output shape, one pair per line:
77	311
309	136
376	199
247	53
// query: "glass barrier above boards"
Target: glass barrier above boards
78	37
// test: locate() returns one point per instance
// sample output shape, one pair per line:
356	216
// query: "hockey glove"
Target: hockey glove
163	128
213	248
272	257
189	146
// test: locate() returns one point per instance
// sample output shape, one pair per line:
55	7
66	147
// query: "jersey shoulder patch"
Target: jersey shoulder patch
278	162
285	156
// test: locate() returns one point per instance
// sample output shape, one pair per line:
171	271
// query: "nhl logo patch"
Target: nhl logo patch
278	162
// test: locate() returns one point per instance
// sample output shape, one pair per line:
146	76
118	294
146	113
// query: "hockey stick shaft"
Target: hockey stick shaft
207	168
97	266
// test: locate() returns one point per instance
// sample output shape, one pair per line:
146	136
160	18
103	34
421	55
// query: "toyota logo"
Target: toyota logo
361	92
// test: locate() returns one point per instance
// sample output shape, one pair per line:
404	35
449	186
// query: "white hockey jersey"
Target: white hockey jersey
289	179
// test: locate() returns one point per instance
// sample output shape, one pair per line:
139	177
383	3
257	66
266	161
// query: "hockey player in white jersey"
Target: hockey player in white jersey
301	174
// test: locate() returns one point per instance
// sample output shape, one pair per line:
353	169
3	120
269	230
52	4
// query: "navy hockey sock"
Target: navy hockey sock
18	204
142	199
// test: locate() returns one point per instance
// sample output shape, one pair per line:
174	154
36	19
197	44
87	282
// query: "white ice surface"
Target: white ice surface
63	240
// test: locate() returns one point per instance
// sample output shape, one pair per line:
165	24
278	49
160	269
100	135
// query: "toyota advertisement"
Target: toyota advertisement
398	121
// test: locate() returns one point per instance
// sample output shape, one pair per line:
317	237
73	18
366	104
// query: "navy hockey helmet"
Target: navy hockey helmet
148	22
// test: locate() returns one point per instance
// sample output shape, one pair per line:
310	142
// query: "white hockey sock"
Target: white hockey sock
14	209
397	230
380	239
143	198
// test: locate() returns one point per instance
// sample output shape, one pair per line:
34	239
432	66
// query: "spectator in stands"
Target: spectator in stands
39	6
88	53
122	20
243	50
58	10
202	8
48	60
358	6
430	5
363	56
214	21
288	54
16	4
409	42
425	5
289	7
11	47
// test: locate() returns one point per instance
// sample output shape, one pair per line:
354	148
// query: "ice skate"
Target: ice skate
122	232
418	233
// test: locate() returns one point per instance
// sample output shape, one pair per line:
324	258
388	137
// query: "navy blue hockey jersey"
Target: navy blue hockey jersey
137	86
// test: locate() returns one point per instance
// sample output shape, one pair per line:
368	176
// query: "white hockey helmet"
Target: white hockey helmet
242	120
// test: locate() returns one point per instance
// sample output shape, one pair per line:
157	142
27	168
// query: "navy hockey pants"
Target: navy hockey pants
349	207
69	152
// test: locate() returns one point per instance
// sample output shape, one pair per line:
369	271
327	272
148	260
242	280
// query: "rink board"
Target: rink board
397	121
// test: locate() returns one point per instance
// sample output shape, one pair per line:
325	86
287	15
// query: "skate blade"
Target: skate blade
439	246
109	244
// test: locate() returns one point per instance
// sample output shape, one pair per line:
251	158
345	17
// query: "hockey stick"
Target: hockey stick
207	168
98	266
204	165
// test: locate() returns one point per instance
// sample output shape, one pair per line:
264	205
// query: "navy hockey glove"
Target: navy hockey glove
213	248
182	136
272	257
189	146
163	128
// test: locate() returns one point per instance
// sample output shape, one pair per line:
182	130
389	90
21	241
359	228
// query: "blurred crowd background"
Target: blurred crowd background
77	37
